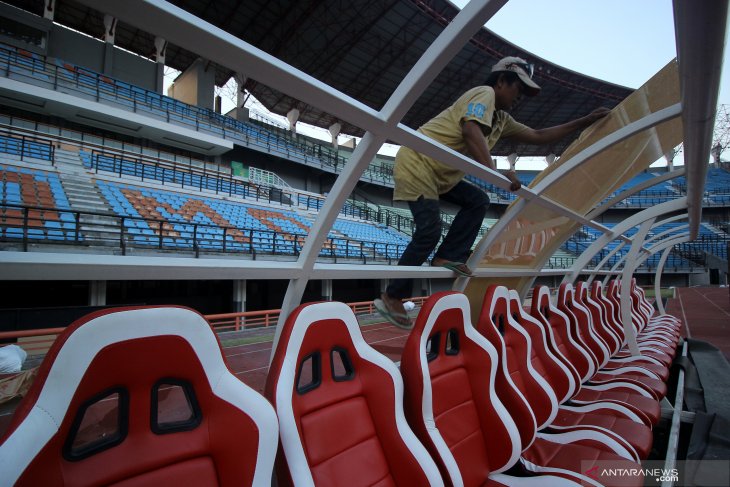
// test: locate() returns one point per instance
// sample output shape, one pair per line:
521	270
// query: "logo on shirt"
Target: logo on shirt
476	110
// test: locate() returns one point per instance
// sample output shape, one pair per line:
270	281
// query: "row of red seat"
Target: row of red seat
516	399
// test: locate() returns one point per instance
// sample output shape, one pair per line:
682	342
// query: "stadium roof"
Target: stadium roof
363	48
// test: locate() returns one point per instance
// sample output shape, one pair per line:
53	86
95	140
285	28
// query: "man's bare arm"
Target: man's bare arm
477	147
557	132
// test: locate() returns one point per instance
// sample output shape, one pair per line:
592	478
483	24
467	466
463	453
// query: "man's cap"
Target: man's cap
523	70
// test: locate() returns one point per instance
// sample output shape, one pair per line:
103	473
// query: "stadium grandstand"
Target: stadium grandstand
188	288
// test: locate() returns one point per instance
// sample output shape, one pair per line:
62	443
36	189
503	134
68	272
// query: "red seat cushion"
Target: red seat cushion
88	382
340	408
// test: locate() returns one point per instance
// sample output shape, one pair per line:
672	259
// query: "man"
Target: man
472	126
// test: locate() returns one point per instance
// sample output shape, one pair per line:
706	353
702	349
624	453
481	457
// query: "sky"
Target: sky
620	41
594	37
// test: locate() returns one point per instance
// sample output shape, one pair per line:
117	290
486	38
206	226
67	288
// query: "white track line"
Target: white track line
712	303
369	343
251	370
228	355
684	316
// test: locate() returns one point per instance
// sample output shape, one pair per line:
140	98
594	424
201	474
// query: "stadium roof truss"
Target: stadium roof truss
362	48
634	138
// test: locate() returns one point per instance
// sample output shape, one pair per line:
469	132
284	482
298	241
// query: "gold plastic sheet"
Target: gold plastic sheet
536	232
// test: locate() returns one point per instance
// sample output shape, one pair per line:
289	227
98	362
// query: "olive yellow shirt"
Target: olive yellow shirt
417	175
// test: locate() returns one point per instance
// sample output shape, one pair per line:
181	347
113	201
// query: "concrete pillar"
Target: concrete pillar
293	117
239	296
108	67
669	156
110	27
49	9
335	132
195	86
327	289
241	112
425	287
97	293
240	80
715	152
160	50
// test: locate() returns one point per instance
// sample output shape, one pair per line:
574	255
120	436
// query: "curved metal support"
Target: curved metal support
667	246
661	235
667	243
628	273
648	251
625	132
658	280
596	270
343	186
619	229
604	260
635	189
622	196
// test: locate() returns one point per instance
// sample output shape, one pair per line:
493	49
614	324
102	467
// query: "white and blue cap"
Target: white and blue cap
523	69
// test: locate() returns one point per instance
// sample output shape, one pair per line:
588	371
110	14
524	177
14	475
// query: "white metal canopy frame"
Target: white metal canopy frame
700	32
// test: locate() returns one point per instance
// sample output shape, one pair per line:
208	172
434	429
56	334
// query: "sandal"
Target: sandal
458	267
396	319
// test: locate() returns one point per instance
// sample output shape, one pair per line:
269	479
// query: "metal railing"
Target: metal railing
28	224
38	341
26	146
66	77
196	174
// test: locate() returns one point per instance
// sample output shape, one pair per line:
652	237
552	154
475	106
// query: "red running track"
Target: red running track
706	314
250	363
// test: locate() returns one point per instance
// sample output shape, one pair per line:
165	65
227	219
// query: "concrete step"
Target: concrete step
81	195
99	220
75	188
97	234
91	209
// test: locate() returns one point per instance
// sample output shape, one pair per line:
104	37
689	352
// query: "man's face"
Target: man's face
507	95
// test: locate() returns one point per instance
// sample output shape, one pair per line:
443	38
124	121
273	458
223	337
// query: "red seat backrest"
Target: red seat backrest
340	406
613	293
598	318
577	359
497	323
581	324
137	397
544	361
450	371
609	308
640	304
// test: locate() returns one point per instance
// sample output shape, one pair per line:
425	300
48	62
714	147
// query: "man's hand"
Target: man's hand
516	184
596	114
